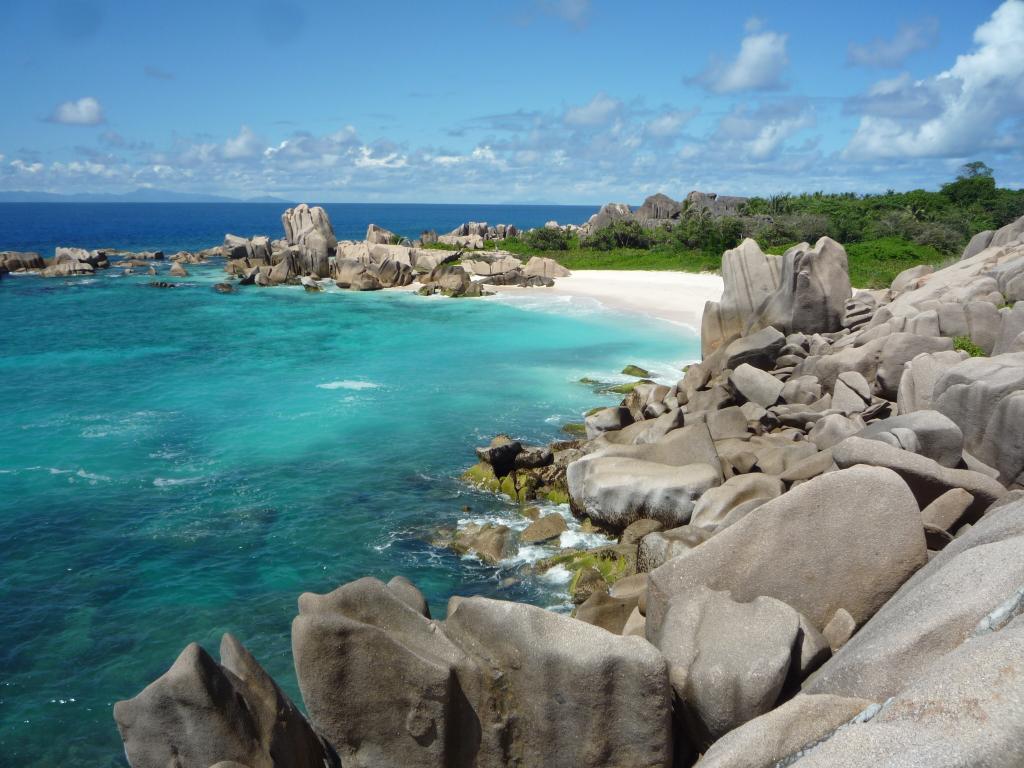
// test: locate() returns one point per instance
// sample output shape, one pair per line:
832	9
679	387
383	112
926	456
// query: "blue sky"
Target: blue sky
564	101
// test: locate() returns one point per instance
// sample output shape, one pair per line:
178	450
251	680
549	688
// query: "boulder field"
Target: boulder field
819	563
310	252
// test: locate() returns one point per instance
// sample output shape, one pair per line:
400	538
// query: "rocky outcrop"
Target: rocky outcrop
464	692
814	285
750	277
857	550
200	713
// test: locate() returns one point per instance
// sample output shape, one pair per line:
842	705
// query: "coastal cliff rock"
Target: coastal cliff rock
750	276
496	684
201	712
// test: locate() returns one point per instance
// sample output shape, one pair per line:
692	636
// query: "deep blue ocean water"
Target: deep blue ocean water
177	463
192	226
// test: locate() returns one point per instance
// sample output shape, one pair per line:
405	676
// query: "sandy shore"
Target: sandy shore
677	297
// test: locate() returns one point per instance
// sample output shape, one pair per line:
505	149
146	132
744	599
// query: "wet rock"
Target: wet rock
545	529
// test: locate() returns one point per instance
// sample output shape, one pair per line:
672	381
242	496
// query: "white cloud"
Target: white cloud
85	111
668	124
758	66
891	53
971	103
598	111
245	145
759	134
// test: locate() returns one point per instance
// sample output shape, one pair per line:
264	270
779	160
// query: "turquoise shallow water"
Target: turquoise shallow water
180	463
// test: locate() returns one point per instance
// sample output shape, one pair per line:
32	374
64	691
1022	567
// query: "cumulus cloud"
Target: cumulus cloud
892	52
245	144
761	133
597	111
968	108
758	66
85	111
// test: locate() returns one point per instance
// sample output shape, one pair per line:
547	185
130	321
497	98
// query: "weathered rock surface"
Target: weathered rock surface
728	661
814	286
927	478
983	569
200	712
966	709
465	692
984	397
855	549
750	277
769	739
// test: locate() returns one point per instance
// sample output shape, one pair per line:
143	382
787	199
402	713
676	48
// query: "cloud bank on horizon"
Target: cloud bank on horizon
541	100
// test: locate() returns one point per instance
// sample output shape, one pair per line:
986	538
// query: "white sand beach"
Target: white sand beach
677	297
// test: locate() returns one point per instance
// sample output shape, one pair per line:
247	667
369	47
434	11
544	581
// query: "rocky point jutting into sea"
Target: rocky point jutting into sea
817	557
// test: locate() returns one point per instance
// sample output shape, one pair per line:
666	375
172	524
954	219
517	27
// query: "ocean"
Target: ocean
175	464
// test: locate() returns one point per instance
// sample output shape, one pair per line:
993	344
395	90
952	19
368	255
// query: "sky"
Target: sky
545	101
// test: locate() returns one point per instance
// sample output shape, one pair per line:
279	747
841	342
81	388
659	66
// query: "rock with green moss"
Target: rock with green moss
611	563
520	485
629	386
635	370
575	428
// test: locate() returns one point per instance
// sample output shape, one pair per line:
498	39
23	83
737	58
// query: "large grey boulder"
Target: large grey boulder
756	386
378	678
926	478
814	285
541	266
728	661
855	548
758	349
936	611
308	226
554	691
608	214
496	684
749	277
928	433
607	420
771	738
615	491
896	351
978	243
985	397
965	709
489	264
200	712
1009	234
920	374
715	505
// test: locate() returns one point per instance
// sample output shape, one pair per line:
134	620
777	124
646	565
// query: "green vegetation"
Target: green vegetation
635	370
883	234
965	344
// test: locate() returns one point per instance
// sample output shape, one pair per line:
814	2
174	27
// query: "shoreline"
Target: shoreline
674	297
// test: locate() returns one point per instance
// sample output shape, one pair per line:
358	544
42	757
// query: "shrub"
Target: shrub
545	239
620	234
965	344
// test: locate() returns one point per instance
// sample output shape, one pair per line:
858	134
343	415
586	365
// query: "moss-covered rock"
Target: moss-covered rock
636	370
629	386
575	428
612	563
520	485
